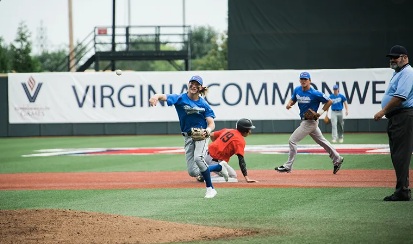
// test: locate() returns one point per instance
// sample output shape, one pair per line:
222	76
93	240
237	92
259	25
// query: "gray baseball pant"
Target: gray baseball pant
194	155
337	125
309	127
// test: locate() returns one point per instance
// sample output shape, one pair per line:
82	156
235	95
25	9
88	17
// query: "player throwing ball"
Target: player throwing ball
195	117
309	100
228	142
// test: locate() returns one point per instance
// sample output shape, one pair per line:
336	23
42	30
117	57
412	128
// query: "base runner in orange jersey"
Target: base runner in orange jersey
228	142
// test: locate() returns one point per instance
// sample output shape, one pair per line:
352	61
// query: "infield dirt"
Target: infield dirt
69	226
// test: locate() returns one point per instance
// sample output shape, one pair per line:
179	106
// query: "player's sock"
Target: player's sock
207	178
215	168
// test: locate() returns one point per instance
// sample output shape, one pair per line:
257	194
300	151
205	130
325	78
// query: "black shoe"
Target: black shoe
404	195
282	169
394	198
199	178
337	166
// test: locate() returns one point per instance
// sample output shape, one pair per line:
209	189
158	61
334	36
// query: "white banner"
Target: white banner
104	97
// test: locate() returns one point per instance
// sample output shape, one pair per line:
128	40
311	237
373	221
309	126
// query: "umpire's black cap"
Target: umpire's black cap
396	51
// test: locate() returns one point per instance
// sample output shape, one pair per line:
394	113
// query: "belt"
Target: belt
336	110
308	119
189	133
395	112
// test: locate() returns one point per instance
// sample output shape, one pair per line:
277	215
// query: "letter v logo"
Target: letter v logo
32	83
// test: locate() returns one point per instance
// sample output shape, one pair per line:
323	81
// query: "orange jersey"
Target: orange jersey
227	143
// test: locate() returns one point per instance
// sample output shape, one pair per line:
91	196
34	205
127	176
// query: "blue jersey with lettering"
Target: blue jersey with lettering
338	101
191	114
308	99
401	85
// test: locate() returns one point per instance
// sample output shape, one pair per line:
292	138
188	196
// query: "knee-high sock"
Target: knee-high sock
207	177
215	168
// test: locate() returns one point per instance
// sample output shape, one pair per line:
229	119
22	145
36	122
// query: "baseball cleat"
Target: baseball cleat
199	178
230	179
283	169
337	165
210	192
224	171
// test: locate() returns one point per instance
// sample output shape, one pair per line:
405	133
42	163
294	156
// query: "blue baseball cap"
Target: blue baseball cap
335	87
197	79
305	75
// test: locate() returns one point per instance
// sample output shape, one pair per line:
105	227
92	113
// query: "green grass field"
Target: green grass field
283	215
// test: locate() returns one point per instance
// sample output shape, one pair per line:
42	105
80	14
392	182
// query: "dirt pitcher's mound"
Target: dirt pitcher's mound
68	226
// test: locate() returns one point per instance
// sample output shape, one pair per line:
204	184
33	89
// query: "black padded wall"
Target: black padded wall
4	109
316	34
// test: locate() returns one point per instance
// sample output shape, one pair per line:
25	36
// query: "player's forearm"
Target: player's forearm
242	165
327	105
290	104
160	97
210	124
155	98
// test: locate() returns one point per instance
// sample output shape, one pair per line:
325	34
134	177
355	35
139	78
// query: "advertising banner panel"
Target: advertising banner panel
104	97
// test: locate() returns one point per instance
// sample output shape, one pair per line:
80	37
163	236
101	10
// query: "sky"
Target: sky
50	17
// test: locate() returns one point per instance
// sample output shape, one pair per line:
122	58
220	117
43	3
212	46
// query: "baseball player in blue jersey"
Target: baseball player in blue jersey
309	98
194	112
337	120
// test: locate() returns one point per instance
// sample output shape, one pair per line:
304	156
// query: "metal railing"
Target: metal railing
129	38
86	46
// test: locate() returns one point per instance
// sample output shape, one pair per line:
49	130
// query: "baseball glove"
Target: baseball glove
326	120
310	115
197	134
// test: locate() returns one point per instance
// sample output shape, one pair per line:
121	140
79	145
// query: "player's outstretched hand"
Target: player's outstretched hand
250	180
153	101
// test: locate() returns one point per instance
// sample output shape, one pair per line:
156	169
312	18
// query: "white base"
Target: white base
218	179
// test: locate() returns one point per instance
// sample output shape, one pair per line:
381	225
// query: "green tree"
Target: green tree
4	57
217	56
202	41
51	61
21	50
